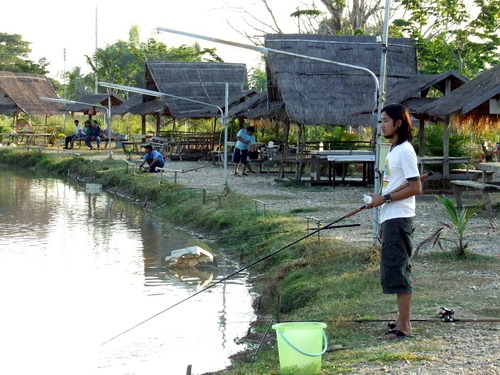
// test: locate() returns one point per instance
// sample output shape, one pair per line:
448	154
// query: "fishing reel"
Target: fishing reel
446	315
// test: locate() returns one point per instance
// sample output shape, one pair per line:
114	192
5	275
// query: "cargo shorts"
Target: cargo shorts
395	267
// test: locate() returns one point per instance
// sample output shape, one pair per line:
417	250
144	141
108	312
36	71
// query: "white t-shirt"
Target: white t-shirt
400	165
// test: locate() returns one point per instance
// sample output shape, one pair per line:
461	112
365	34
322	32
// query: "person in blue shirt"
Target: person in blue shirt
153	158
93	135
245	138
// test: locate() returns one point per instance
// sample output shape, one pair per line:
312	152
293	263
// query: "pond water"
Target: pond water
77	268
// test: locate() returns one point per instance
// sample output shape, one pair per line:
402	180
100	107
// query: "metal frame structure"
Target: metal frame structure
158	94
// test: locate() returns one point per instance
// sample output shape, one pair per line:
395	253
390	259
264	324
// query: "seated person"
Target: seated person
93	134
153	158
70	138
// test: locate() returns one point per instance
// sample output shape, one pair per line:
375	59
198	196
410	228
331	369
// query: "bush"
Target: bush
434	136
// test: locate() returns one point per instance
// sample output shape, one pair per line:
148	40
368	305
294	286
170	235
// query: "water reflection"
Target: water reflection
78	268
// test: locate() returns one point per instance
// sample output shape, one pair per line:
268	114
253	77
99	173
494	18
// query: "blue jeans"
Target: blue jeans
95	138
158	164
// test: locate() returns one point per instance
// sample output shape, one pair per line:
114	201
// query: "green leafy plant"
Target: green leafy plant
458	223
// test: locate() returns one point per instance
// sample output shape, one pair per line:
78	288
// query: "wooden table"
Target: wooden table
490	167
364	157
439	160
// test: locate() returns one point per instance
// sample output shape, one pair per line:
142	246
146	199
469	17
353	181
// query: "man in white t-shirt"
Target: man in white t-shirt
396	214
245	138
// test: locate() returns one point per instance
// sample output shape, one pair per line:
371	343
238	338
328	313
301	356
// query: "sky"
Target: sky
54	25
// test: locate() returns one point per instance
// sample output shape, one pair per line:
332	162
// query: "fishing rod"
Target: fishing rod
423	177
430	320
352	213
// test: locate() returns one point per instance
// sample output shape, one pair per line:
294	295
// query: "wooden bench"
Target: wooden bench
458	187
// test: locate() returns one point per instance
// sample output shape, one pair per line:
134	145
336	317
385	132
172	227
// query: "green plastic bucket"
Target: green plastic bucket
300	347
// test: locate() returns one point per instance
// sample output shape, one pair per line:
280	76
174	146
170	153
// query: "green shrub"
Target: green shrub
434	135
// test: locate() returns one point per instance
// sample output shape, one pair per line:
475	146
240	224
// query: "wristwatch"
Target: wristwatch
387	198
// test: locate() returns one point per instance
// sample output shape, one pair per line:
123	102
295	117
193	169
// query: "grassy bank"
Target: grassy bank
315	280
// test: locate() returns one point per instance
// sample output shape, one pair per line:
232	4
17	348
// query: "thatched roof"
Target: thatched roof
412	92
150	107
21	92
258	107
322	93
470	103
126	105
414	86
241	109
202	81
93	100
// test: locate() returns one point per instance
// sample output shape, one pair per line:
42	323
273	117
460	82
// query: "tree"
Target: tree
451	35
77	84
257	79
14	53
333	17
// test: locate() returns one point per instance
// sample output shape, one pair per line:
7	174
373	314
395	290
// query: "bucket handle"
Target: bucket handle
325	341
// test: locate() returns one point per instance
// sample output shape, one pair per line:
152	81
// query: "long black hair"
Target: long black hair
398	112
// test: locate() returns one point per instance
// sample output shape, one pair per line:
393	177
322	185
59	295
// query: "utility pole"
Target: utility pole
380	104
95	55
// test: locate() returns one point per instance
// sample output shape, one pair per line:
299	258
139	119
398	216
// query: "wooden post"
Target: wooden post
143	123
421	138
219	200
284	154
14	121
158	123
204	196
446	137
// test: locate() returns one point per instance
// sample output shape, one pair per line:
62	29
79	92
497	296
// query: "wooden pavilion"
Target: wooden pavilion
200	81
20	94
413	93
476	103
316	93
306	92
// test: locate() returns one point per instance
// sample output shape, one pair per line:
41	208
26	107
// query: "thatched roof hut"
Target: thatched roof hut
201	81
317	93
21	92
93	101
477	102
